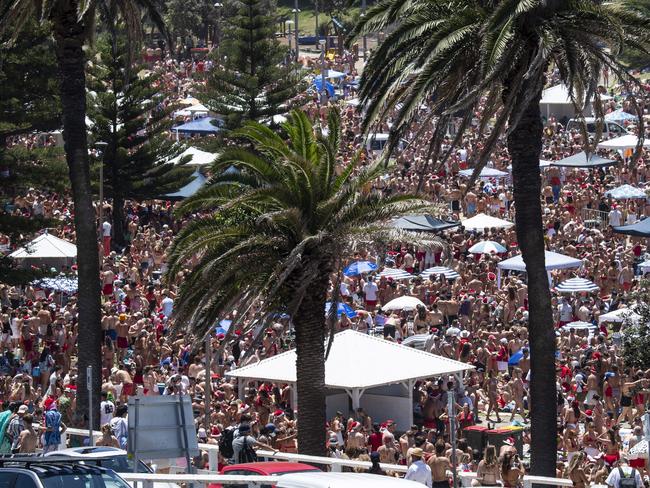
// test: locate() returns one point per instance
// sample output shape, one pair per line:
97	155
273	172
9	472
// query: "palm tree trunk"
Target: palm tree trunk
69	39
525	146
310	370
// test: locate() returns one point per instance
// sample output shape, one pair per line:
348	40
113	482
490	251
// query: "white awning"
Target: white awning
481	221
46	246
353	363
559	95
620	315
199	157
553	261
485	173
628	141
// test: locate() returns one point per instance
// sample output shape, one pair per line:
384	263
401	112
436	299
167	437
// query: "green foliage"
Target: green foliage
127	114
43	168
28	94
191	17
279	224
10	274
252	78
636	336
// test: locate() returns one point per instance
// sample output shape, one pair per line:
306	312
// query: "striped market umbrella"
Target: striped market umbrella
576	285
449	273
396	274
487	247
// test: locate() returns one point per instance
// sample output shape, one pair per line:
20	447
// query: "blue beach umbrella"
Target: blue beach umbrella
341	308
359	267
318	83
515	358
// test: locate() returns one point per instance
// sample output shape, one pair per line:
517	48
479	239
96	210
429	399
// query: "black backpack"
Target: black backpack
225	444
247	454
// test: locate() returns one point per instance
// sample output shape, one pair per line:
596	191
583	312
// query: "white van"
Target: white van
342	480
376	143
610	129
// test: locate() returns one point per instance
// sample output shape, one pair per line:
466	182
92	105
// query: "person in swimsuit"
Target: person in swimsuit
488	470
575	471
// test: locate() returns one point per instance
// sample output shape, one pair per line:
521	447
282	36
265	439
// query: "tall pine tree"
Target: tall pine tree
253	77
128	114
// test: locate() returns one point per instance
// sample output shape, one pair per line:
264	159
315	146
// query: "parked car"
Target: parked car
271	468
610	129
31	471
107	457
343	480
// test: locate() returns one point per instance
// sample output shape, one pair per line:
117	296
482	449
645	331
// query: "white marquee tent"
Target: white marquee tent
485	173
354	372
556	101
199	157
620	315
553	260
197	110
628	141
482	221
47	250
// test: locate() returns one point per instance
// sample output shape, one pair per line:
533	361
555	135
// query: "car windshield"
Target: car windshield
119	464
82	480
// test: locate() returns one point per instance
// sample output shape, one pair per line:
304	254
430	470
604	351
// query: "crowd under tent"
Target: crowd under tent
198	157
485	173
638	229
198	180
552	261
581	160
355	378
424	223
628	141
481	221
46	250
557	102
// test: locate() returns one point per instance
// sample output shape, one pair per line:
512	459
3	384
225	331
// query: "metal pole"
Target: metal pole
208	380
452	434
365	44
89	387
323	70
101	195
295	27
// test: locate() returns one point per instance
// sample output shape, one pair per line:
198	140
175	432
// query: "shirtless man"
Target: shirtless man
592	388
28	439
122	328
517	393
439	465
387	451
123	376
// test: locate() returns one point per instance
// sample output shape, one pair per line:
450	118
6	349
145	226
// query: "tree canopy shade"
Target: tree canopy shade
298	218
128	117
252	78
490	58
71	23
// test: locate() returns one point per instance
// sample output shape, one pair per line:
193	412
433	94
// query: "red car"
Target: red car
271	468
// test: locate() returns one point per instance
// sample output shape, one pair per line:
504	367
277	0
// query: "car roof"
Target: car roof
271	467
342	480
94	452
52	469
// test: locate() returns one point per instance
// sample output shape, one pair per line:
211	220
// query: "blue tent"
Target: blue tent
318	83
640	229
190	189
202	126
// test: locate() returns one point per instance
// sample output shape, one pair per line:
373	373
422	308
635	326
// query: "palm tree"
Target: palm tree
72	21
491	58
300	216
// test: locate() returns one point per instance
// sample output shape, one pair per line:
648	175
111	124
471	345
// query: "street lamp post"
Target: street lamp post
296	11
365	44
323	70
101	147
218	6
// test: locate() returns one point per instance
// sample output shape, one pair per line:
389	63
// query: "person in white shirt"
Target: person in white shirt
615	216
370	293
106	410
615	480
420	471
106	237
167	304
566	311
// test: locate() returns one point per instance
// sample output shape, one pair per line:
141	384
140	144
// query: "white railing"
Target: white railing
593	217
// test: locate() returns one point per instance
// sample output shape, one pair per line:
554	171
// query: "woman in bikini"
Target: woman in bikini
575	471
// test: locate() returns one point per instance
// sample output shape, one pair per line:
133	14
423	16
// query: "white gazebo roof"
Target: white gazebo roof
199	157
485	173
628	141
46	246
553	260
483	221
559	95
620	315
352	363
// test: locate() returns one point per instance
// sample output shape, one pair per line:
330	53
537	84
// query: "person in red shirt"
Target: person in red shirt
375	439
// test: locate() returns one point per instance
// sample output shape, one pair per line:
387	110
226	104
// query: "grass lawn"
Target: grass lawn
307	17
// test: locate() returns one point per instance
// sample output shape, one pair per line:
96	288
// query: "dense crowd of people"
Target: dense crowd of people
474	318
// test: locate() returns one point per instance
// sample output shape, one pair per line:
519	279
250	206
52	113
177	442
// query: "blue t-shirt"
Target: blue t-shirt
53	420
